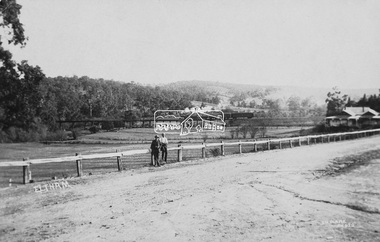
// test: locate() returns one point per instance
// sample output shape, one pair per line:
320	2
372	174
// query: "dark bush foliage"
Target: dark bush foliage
38	134
108	125
59	135
320	128
119	124
94	129
76	133
215	152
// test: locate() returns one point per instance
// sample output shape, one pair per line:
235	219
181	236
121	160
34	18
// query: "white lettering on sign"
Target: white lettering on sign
167	126
52	186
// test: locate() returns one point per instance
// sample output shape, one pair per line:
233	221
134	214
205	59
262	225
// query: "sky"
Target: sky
318	43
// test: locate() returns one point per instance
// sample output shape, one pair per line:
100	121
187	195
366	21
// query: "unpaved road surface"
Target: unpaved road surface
278	195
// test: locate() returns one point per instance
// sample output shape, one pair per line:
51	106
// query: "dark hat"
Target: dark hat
156	136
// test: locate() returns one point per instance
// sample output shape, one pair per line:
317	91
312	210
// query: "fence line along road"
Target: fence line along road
26	163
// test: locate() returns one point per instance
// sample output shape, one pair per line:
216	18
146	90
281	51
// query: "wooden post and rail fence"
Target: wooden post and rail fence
26	163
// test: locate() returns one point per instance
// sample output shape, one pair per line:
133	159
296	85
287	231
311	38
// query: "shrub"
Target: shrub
119	124
76	133
244	131
232	132
304	132
93	129
108	125
320	128
253	130
215	152
263	130
23	136
4	138
368	126
14	134
58	135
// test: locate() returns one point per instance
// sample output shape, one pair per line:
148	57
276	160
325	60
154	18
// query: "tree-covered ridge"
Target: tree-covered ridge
197	91
76	98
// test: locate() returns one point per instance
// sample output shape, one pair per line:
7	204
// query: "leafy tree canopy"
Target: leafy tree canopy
19	95
9	13
335	102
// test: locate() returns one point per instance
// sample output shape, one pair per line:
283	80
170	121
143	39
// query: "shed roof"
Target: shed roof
358	111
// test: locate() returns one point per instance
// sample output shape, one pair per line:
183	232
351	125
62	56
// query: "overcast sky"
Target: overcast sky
319	43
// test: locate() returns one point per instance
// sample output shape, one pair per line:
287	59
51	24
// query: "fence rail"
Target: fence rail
26	163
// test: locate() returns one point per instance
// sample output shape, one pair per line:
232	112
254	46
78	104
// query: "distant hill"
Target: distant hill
319	95
227	90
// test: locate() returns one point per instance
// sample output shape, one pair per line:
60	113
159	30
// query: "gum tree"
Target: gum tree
335	102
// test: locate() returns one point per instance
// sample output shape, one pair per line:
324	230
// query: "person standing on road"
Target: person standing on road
164	147
155	150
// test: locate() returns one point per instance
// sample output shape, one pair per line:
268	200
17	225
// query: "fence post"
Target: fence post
79	165
268	144
119	162
255	147
27	174
280	144
340	137
240	147
315	140
222	148
204	150
322	139
328	138
290	143
308	140
179	156
299	141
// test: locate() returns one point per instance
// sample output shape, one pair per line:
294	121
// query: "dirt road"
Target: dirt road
279	195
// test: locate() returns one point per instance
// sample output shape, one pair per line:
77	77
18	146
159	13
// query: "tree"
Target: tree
9	12
215	100
274	106
20	100
350	103
252	104
335	102
373	101
363	102
232	132
14	32
244	131
253	130
294	105
49	110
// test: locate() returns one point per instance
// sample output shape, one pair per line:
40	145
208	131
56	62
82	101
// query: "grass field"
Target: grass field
107	142
147	134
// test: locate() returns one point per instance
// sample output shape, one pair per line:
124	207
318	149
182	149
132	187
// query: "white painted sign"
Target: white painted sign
184	122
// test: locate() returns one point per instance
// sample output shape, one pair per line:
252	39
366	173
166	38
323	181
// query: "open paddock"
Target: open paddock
122	157
46	171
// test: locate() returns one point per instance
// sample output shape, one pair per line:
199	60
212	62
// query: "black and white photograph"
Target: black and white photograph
190	120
